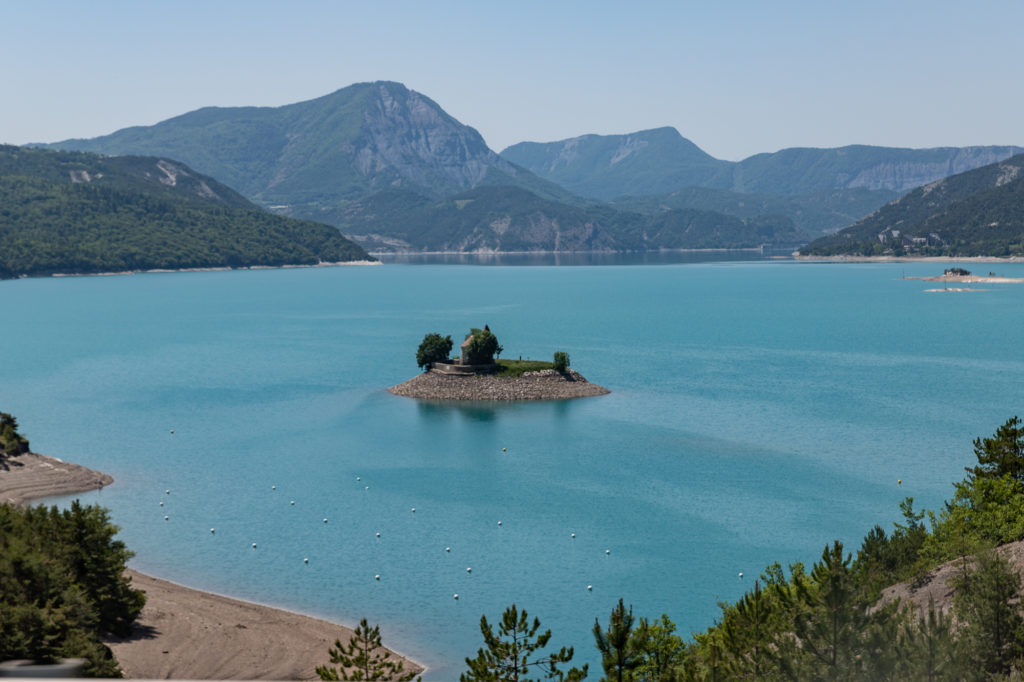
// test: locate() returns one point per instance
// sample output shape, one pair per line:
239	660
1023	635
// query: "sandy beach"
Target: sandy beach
184	633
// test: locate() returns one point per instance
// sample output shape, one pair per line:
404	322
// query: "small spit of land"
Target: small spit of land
546	384
184	633
961	276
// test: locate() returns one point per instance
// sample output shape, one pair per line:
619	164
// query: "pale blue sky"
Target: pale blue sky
736	77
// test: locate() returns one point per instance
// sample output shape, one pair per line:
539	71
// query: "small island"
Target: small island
478	373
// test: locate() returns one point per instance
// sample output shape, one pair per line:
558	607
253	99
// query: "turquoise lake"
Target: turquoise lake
759	410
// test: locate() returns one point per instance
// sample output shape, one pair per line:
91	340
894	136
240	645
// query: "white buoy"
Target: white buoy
172	432
377	577
358	479
469	570
167	492
213	530
572	535
607	551
292	502
456	595
306	560
273	487
499	523
378	534
165	518
161	504
254	545
366	488
325	519
741	574
447	549
414	510
590	588
503	449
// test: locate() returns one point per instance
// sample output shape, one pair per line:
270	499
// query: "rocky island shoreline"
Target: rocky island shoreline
546	384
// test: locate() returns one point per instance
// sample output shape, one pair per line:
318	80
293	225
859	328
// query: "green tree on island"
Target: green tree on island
482	347
507	656
561	361
434	348
364	658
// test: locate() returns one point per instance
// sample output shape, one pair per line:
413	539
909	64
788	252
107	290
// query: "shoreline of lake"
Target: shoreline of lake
541	385
261	642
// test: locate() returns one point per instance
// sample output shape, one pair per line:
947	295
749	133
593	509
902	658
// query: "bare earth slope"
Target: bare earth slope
939	586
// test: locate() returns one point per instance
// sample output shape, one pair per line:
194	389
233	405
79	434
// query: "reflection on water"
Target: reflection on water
638	258
484	411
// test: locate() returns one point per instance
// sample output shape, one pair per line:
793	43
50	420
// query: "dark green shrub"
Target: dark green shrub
482	347
561	361
434	348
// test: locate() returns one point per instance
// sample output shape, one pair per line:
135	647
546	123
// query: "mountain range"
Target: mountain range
977	213
341	158
76	212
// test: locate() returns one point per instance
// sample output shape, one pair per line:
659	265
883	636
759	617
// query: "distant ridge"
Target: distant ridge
75	212
661	160
976	213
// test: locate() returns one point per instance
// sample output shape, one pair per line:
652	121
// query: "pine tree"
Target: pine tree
364	658
507	655
986	601
618	657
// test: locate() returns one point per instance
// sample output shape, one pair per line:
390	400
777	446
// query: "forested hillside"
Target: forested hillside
512	219
977	213
70	212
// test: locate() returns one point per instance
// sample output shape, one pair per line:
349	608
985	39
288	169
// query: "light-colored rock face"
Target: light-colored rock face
904	176
410	136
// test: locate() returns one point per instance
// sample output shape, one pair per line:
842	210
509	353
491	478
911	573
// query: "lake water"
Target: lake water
758	411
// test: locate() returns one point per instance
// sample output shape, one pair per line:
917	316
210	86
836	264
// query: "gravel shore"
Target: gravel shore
543	385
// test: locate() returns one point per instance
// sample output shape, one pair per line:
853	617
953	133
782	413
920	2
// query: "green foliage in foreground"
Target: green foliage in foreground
11	442
62	586
52	221
828	623
517	650
363	658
